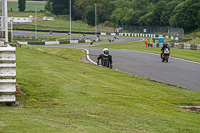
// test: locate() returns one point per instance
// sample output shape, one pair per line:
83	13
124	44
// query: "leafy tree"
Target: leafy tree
22	5
176	13
111	7
157	12
117	16
172	21
48	5
164	18
186	16
80	8
140	4
90	17
146	20
61	7
58	6
198	22
135	16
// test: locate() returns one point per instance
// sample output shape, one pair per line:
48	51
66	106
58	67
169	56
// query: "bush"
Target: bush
193	47
36	43
81	41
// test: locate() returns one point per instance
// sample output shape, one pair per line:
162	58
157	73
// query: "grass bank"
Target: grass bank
70	95
61	22
30	6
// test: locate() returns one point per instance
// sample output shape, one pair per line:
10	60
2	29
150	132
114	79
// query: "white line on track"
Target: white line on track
88	57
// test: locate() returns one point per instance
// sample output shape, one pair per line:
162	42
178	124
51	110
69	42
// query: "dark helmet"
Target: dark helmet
106	51
165	44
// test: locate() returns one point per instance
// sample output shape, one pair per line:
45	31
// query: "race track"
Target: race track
178	72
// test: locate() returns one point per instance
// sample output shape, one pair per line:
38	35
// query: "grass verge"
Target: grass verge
70	95
30	6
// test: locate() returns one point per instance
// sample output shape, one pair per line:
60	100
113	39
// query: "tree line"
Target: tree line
175	13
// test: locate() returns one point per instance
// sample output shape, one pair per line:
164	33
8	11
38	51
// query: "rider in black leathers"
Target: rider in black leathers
165	45
106	59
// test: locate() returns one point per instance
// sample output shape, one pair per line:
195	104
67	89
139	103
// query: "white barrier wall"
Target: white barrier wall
198	46
52	42
73	41
87	40
7	74
103	33
187	46
22	42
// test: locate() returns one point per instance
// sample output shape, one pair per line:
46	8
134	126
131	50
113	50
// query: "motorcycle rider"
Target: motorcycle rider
106	58
109	39
165	45
91	41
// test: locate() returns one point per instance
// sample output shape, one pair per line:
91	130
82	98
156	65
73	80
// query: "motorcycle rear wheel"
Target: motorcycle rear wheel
166	59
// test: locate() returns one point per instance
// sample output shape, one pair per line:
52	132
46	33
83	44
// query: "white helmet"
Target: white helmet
106	51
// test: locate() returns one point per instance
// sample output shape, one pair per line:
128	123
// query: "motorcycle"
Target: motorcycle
91	42
165	55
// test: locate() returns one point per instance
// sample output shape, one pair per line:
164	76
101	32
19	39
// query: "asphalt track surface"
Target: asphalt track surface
178	72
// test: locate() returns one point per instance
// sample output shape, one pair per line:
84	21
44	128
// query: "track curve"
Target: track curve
178	72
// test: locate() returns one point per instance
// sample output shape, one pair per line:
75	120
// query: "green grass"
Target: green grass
59	24
30	6
194	41
194	34
70	95
193	55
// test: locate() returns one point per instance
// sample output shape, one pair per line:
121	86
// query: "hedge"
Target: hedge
36	43
81	41
64	42
193	47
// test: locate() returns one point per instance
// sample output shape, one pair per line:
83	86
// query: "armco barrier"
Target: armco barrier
7	74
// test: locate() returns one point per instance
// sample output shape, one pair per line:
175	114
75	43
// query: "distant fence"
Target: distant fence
167	31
